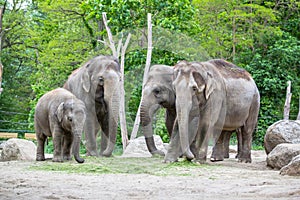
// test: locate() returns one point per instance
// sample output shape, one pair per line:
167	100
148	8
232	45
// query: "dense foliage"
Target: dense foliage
43	41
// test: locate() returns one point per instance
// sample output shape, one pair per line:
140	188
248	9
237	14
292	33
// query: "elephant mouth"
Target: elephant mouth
99	95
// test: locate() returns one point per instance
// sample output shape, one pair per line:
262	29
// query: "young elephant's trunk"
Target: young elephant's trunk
76	148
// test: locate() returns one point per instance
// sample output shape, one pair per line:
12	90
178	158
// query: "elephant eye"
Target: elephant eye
70	119
156	91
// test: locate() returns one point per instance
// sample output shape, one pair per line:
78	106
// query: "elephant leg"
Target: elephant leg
104	134
202	143
103	142
245	153
41	139
57	145
239	140
193	130
226	142
218	149
67	145
174	150
91	131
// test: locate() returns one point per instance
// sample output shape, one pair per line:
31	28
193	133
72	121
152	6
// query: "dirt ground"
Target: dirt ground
223	180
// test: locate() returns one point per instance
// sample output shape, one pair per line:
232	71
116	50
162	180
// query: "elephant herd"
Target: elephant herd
204	101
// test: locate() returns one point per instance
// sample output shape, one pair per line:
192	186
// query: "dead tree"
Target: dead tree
147	67
116	52
298	117
286	111
2	9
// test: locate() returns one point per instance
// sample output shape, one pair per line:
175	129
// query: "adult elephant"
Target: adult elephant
228	99
158	92
97	84
60	115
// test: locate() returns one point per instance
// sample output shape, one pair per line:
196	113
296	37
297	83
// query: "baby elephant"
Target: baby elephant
60	115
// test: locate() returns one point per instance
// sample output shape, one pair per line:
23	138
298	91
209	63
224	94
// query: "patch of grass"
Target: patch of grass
119	165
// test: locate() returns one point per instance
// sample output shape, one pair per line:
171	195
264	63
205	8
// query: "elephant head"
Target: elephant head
71	115
157	92
193	85
101	80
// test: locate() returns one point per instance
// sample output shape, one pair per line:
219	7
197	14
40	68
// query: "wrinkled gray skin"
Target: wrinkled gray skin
228	99
60	115
97	84
158	92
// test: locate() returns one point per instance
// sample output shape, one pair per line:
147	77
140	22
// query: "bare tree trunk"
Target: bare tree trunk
1	35
146	71
122	100
286	111
298	117
116	53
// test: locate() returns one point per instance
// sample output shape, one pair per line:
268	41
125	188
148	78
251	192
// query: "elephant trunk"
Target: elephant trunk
76	147
146	116
183	109
113	101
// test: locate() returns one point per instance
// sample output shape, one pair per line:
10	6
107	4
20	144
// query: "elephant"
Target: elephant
228	100
158	92
97	84
60	115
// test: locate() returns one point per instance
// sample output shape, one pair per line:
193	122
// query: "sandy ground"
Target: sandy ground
231	181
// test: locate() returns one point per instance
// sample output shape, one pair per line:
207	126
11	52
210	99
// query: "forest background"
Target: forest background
43	41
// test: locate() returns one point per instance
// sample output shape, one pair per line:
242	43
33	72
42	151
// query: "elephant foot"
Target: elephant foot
91	153
213	159
199	161
57	159
40	158
226	155
157	152
244	157
189	155
168	161
245	160
67	157
106	153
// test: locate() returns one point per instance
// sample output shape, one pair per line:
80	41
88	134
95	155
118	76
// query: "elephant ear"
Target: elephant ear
85	79
210	86
60	112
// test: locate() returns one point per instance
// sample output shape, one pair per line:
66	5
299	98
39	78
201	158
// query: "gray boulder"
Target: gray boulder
282	155
293	168
18	149
283	131
138	147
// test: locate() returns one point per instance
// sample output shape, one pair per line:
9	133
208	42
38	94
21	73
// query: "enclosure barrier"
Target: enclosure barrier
24	134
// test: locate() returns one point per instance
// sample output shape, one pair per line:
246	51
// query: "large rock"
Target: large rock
282	155
284	131
18	149
138	147
293	168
